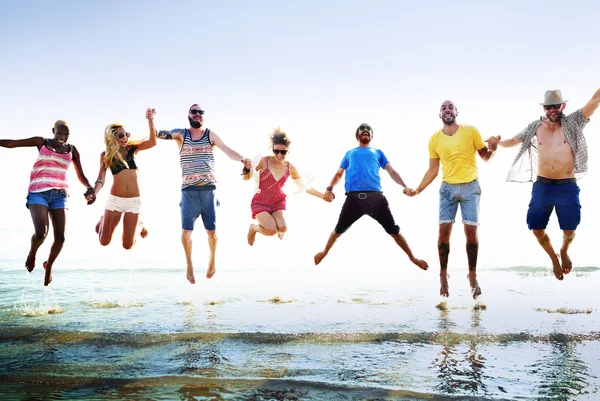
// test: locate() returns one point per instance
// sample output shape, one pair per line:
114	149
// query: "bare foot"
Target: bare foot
143	231
444	285
30	262
48	275
190	275
421	263
567	265
211	270
556	267
251	235
98	224
475	289
319	257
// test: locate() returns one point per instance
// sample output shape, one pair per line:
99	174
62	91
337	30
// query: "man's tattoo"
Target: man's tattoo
443	251
485	153
472	251
164	135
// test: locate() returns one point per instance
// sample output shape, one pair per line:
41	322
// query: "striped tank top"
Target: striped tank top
50	171
197	160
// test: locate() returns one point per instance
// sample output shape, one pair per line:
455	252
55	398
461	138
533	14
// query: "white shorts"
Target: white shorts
123	205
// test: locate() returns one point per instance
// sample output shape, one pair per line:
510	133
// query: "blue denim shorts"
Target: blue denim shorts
198	201
52	199
467	195
547	195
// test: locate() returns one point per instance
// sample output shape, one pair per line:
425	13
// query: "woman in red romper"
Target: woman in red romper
268	204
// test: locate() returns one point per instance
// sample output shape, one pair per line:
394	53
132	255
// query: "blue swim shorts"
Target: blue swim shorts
547	194
198	201
52	199
467	195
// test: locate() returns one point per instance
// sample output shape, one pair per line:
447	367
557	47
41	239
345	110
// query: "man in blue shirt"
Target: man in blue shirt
363	193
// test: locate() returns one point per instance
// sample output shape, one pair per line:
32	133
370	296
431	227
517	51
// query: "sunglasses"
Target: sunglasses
552	106
122	135
196	111
281	152
365	127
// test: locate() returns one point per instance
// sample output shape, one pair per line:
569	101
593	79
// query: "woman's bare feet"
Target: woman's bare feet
475	289
251	235
444	289
30	262
48	275
143	231
556	267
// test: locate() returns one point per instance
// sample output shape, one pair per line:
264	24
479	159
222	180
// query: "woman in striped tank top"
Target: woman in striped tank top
124	198
48	190
269	203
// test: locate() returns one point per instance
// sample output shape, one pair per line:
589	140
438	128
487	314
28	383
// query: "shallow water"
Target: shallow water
137	330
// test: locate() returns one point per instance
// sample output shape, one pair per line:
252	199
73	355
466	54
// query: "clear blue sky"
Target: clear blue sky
317	68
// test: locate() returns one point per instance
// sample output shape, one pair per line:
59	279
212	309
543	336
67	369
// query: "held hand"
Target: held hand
493	142
409	192
328	196
247	163
90	196
150	114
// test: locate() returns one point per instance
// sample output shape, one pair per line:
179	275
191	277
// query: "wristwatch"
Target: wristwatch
329	188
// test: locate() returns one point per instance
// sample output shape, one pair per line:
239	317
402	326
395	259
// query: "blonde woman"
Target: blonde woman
124	198
269	203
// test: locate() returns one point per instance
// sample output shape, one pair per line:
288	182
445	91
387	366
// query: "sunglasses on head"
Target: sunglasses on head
552	106
282	152
365	127
122	135
197	111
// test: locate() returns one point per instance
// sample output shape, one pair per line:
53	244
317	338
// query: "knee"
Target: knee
569	234
212	234
39	236
59	239
270	231
539	233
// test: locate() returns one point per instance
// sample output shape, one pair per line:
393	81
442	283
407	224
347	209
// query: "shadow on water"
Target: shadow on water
563	373
460	372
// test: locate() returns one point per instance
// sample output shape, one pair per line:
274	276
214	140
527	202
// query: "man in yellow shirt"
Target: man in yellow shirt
455	147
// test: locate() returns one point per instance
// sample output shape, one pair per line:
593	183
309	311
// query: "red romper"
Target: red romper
270	198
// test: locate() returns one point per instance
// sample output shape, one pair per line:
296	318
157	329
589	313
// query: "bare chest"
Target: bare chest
551	139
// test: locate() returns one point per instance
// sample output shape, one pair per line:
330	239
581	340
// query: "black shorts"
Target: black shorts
373	204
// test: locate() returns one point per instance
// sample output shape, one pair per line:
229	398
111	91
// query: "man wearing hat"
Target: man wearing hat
558	143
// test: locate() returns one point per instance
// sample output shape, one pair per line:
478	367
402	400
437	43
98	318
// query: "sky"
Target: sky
318	69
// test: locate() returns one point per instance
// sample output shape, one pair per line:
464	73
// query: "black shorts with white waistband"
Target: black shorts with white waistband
371	203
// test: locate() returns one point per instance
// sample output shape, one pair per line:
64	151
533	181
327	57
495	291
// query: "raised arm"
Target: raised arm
99	184
592	105
90	195
298	181
151	141
430	174
232	154
37	141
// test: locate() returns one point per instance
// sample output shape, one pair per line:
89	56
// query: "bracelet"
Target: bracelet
329	188
99	182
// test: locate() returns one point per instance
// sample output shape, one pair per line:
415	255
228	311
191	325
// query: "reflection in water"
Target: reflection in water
460	374
563	373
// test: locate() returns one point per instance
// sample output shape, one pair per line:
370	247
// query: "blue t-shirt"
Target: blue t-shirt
362	169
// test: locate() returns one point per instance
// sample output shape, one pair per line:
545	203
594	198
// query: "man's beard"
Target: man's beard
365	139
449	122
557	119
195	124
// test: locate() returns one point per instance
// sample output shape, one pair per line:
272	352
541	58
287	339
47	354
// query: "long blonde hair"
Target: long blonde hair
113	147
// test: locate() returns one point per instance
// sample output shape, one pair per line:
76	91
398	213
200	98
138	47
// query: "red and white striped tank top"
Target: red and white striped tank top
50	171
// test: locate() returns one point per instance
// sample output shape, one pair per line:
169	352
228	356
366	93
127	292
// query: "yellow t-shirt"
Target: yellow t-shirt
457	153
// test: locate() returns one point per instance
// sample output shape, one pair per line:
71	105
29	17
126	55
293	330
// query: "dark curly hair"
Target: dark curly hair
278	137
